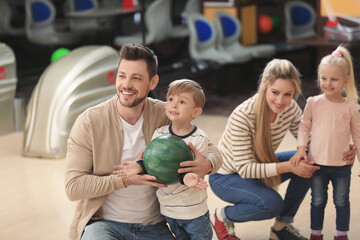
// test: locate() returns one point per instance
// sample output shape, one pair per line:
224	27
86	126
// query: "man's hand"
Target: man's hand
199	165
144	179
128	169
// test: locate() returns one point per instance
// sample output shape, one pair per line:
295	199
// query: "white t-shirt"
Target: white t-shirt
127	205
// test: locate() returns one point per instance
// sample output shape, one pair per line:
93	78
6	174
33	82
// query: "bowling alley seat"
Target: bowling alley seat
229	32
81	7
8	82
81	79
5	21
202	40
41	25
157	22
299	20
178	31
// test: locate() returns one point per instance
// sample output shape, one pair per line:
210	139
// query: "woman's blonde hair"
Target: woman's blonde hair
187	85
342	57
263	147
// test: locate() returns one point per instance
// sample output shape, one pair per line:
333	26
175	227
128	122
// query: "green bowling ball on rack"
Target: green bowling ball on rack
59	53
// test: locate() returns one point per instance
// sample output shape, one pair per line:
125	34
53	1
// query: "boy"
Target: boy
183	204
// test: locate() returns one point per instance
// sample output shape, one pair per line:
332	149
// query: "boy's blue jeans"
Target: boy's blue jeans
253	201
340	179
194	229
111	230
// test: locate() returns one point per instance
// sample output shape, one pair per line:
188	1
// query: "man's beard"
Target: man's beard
136	102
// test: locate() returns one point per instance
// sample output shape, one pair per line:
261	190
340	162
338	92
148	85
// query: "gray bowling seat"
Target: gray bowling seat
157	22
6	16
8	82
229	32
75	82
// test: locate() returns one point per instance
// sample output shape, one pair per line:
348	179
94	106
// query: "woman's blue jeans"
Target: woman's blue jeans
252	200
340	179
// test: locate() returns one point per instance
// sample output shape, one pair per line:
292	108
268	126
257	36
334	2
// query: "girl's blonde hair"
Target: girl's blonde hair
187	85
263	147
342	57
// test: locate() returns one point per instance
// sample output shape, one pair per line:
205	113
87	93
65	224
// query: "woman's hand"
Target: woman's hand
349	156
304	169
200	165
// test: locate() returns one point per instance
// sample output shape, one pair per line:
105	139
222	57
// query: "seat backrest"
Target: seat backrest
39	13
191	6
82	5
299	20
228	28
202	34
8	81
5	17
158	20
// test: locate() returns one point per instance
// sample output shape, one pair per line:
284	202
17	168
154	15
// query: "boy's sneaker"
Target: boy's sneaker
345	237
316	237
224	231
287	233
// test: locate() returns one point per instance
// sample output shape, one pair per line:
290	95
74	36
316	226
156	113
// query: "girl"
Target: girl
331	119
251	169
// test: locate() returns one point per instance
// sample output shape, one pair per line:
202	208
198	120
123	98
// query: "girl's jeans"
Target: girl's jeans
340	179
252	200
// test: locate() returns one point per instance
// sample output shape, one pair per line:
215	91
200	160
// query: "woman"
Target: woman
251	170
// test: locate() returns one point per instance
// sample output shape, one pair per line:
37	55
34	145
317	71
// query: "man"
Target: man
110	206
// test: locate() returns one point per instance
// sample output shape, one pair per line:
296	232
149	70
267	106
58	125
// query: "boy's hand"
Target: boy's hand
192	180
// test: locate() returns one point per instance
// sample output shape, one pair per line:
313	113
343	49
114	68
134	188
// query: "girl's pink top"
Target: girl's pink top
331	126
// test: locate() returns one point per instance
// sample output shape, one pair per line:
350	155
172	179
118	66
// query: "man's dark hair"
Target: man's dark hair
133	52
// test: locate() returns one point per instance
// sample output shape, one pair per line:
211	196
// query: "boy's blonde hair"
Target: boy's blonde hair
342	57
263	147
187	85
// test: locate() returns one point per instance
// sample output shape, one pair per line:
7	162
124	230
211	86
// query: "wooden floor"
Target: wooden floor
34	205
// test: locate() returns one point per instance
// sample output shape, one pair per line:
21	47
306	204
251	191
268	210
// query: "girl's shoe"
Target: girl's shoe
316	237
345	237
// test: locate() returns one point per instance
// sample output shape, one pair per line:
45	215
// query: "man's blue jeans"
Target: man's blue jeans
197	228
340	179
254	201
111	230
